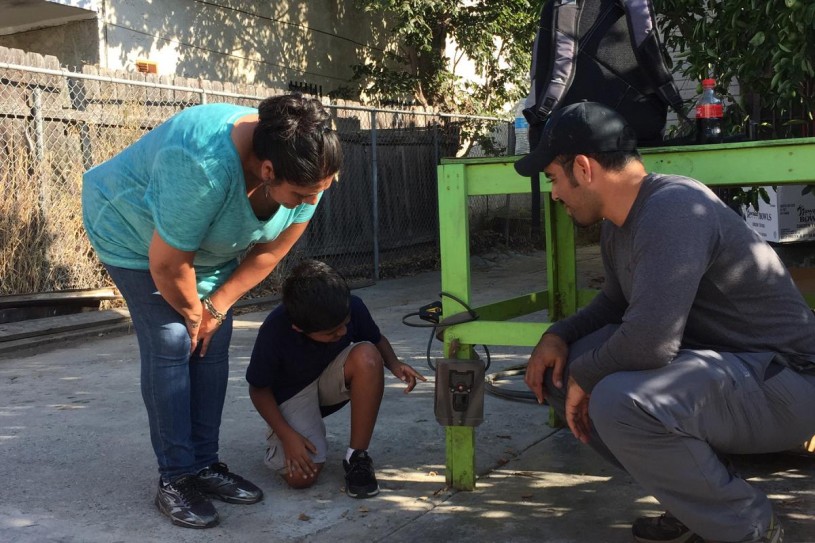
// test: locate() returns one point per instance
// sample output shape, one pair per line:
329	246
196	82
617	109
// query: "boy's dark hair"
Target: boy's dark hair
316	296
295	134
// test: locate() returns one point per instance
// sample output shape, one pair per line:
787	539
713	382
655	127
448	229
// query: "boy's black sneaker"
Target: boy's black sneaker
184	503
360	480
218	482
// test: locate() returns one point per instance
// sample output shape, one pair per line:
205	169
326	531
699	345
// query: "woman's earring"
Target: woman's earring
266	189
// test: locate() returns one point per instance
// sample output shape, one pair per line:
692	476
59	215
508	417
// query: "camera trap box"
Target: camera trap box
459	393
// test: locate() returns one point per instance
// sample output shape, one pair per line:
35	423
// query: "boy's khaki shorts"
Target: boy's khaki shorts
302	411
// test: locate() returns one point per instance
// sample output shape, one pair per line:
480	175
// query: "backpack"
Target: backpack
605	51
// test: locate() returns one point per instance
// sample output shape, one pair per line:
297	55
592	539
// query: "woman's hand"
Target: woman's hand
173	272
193	329
212	320
205	332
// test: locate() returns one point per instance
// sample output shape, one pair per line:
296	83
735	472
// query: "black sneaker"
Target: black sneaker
665	528
217	481
360	480
184	503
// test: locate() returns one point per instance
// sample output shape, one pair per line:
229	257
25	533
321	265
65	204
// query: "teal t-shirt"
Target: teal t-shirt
185	180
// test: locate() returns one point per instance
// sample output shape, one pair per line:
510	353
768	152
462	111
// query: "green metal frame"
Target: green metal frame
751	163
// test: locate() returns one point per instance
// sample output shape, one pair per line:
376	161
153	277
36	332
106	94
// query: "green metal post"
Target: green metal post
455	279
560	261
561	271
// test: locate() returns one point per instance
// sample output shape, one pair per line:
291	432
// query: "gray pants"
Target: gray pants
667	427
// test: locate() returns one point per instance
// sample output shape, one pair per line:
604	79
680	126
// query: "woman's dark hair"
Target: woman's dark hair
295	134
316	296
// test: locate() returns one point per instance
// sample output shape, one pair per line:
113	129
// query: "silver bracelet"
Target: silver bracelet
217	315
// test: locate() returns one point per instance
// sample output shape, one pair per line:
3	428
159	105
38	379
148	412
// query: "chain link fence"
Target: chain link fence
380	220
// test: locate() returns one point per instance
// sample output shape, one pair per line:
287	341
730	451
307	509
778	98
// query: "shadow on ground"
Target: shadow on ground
77	466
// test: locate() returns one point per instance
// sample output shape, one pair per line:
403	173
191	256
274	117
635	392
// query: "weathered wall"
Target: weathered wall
239	41
74	44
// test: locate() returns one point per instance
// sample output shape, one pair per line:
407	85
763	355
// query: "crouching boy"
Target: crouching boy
314	353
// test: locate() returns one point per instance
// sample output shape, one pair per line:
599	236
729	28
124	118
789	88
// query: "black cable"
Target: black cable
436	325
489	380
472	313
509	394
423	325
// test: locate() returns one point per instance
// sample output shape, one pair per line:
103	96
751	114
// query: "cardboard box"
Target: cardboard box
789	217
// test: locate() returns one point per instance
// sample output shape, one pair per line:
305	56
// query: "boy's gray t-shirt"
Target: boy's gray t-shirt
686	272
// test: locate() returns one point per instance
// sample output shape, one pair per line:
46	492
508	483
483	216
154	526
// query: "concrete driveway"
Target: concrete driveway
76	463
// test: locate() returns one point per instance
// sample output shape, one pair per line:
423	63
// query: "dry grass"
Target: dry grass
43	246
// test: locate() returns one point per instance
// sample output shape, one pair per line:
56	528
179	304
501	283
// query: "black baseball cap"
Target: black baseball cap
581	128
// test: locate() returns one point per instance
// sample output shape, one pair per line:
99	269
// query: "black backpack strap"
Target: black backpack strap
565	22
550	89
648	50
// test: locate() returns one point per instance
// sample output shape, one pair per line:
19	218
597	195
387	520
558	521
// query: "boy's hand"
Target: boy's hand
298	460
406	374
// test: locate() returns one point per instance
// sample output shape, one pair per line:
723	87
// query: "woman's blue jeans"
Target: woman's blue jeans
183	393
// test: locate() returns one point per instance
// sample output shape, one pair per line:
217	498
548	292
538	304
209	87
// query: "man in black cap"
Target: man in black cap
698	345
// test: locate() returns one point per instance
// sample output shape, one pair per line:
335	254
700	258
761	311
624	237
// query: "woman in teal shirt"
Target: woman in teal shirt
186	220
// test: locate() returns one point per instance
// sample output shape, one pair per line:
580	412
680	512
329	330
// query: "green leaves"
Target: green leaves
766	46
750	197
494	38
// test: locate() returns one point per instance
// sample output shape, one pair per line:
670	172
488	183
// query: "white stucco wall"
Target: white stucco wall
241	41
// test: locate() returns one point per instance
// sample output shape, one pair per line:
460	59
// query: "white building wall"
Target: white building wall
248	41
241	41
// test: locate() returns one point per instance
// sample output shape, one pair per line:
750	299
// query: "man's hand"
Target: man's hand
577	411
551	352
406	374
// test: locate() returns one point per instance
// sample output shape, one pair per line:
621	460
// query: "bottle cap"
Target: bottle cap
708	83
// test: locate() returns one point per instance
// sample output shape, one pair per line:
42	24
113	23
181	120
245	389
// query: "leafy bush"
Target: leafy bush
767	46
494	38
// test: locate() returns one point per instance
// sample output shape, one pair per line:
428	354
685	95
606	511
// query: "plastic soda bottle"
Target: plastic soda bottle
521	130
709	113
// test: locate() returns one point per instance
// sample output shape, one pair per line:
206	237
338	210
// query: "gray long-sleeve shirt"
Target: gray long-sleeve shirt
684	271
